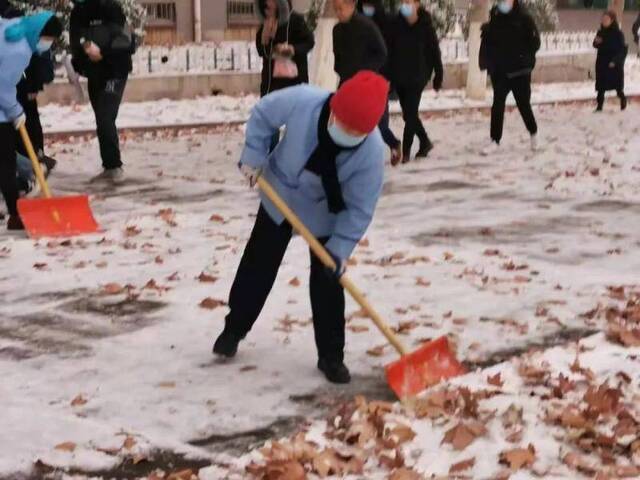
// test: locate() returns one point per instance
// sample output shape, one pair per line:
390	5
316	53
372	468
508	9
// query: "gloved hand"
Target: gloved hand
250	173
340	266
19	121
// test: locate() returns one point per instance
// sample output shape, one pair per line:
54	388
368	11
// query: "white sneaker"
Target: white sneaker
535	145
117	175
490	149
114	175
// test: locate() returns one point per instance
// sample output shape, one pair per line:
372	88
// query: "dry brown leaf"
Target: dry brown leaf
185	474
132	231
404	328
512	417
463	465
364	242
463	434
361	432
166	385
216	218
294	282
66	447
206	278
572	417
211	303
358	328
405	474
328	462
248	368
40	266
495	380
139	458
421	282
129	443
284	470
112	289
519	457
400	434
579	463
78	401
604	400
376	351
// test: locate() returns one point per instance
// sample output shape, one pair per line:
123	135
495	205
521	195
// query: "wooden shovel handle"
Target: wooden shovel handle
318	249
35	163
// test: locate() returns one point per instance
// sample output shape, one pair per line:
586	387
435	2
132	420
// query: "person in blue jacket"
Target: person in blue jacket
19	39
328	168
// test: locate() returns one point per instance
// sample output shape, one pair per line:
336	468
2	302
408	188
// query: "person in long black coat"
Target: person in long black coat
375	10
635	30
510	41
285	33
414	59
612	52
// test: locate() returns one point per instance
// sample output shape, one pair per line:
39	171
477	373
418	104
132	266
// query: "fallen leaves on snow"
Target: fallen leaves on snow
211	303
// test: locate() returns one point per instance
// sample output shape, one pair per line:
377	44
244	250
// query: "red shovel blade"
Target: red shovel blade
425	367
57	217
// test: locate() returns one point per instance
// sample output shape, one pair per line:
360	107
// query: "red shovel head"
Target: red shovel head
57	217
418	370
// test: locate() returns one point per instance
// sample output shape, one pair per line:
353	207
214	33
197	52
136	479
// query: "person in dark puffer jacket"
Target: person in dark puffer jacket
510	41
612	52
414	59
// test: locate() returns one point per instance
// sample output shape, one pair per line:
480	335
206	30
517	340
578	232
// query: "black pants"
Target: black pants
8	183
521	88
255	277
600	97
34	127
387	135
410	103
105	96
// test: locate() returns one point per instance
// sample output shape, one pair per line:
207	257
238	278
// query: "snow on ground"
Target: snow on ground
56	118
105	340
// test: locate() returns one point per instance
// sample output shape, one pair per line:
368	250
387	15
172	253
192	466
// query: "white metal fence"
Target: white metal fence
243	56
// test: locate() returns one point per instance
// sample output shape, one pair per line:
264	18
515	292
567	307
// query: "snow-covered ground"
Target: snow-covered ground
105	340
57	119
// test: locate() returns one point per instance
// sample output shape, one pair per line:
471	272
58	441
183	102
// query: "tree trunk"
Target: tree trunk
322	73
476	79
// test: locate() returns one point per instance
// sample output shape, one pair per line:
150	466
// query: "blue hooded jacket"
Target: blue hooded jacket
18	42
360	171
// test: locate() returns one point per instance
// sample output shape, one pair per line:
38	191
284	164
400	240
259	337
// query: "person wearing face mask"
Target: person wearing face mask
36	75
510	41
374	9
20	38
612	52
97	29
329	169
415	58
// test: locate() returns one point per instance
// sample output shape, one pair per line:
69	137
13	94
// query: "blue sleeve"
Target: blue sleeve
8	93
271	113
360	192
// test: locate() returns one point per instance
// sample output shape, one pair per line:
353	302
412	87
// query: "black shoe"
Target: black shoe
49	163
623	103
335	371
424	150
15	223
227	344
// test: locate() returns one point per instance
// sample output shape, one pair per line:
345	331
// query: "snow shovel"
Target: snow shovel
53	217
414	371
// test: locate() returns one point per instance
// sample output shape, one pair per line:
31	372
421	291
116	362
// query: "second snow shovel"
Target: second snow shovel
414	371
53	217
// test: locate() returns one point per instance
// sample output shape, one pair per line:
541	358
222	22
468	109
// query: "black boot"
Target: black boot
49	163
227	344
15	223
424	149
623	102
335	371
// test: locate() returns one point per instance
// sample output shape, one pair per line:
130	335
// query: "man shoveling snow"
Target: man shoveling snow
329	169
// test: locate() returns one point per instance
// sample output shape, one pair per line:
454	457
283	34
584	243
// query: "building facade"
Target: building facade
184	21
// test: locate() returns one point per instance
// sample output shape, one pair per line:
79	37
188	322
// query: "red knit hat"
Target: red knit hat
360	102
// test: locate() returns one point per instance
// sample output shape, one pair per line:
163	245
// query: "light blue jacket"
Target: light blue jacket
18	41
360	171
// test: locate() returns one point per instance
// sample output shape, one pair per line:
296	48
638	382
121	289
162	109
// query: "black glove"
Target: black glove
340	267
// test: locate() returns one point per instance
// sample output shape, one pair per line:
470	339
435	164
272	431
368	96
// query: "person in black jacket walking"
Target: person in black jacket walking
374	9
283	35
508	51
415	58
612	52
94	25
635	31
357	42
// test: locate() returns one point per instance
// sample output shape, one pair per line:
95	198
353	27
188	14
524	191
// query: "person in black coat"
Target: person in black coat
510	41
283	34
415	58
635	30
357	42
612	52
374	9
95	25
36	76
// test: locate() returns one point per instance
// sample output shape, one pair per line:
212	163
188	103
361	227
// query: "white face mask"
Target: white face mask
44	45
343	139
